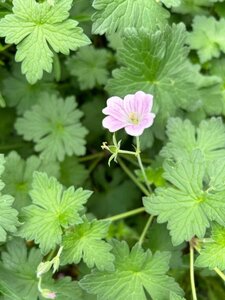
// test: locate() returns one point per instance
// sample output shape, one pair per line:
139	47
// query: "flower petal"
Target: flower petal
114	107
112	124
145	102
137	130
134	130
130	104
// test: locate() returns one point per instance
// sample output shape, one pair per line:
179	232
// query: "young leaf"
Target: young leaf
18	179
192	199
207	37
112	16
136	273
85	241
8	215
89	65
209	137
52	210
38	29
212	254
157	64
57	133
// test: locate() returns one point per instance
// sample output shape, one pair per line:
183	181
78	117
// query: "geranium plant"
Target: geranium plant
112	149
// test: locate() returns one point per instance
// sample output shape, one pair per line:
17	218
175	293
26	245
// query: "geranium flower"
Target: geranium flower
133	113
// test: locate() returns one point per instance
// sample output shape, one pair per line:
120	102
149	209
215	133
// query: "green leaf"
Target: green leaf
112	16
212	254
18	179
18	269
24	95
85	241
96	114
52	210
174	296
38	29
194	7
194	197
89	65
73	172
136	273
209	137
57	133
207	37
18	275
157	64
154	176
118	187
8	215
170	3
211	95
158	239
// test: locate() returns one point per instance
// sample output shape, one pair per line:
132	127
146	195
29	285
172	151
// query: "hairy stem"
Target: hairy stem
147	225
138	151
192	277
220	273
91	156
126	214
132	177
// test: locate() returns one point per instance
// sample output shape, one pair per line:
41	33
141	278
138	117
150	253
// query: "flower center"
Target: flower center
133	118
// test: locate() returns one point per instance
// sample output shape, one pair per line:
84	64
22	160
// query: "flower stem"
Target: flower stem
192	278
138	151
127	152
220	273
147	225
132	177
126	214
91	156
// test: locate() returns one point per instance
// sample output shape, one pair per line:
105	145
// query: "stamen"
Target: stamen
133	118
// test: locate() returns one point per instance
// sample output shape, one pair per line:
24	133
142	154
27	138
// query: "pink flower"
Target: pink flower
133	113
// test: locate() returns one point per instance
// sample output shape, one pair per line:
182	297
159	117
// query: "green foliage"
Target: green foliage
89	66
209	137
73	172
158	66
8	215
112	16
192	199
55	134
18	180
18	269
111	185
136	272
18	275
170	3
212	254
85	241
24	95
52	210
194	6
45	28
158	239
109	248
207	37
